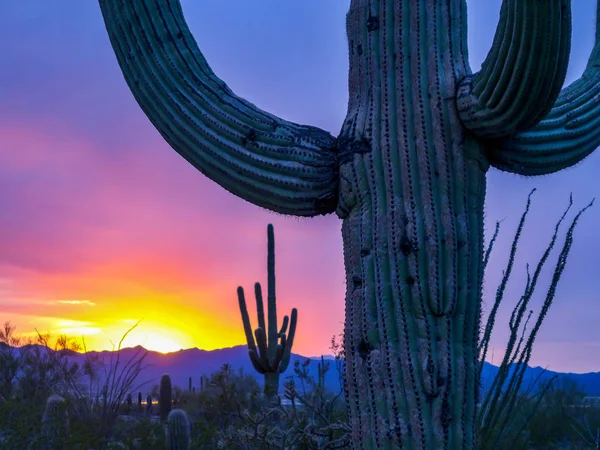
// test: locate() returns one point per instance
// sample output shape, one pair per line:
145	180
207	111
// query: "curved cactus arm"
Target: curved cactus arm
284	325
524	71
256	361
569	133
279	165
261	342
246	319
279	352
287	351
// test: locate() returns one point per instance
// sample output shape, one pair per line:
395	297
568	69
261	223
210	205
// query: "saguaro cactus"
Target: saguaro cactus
55	426
149	405
406	174
178	431
274	348
164	399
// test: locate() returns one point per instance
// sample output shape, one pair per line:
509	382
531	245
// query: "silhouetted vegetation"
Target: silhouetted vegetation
230	411
50	401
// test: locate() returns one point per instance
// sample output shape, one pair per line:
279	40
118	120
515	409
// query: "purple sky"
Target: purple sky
104	224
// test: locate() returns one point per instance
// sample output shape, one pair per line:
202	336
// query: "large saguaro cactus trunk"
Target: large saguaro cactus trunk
406	174
412	189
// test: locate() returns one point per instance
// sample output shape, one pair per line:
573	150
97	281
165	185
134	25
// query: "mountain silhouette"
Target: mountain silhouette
193	362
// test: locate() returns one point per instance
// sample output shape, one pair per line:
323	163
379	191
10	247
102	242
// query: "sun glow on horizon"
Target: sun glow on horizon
161	344
150	335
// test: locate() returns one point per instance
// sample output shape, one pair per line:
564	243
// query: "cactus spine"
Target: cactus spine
164	399
407	175
55	427
272	356
178	431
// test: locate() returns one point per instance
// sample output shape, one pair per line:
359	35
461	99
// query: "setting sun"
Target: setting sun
159	343
150	335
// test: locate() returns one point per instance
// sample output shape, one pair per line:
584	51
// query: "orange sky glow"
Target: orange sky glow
103	224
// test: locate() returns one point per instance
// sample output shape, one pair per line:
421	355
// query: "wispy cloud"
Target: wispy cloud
76	328
76	302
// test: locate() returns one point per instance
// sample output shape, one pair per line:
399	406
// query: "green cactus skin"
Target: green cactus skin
165	397
274	347
55	425
178	431
407	175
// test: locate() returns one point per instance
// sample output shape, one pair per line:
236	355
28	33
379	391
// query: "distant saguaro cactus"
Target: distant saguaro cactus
148	404
407	174
129	403
139	397
321	371
55	424
178	430
164	399
274	349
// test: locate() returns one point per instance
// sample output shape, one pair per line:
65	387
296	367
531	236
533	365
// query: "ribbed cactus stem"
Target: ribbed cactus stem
270	353
406	174
178	431
55	425
149	404
165	399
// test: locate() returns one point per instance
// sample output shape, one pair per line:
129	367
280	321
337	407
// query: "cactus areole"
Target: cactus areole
407	175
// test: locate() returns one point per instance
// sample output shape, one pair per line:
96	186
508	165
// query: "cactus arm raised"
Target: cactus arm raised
252	352
260	311
284	325
523	73
279	352
255	360
246	319
279	165
261	342
568	134
287	350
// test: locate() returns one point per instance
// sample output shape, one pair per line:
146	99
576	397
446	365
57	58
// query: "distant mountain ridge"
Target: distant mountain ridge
195	363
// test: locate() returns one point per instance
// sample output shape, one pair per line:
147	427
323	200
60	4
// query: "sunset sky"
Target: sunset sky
102	224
